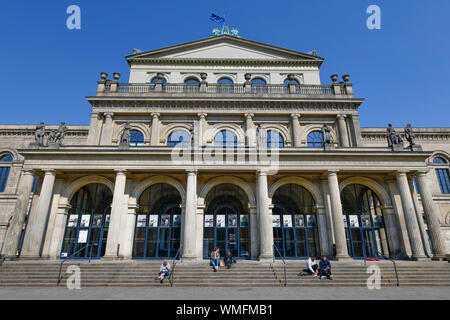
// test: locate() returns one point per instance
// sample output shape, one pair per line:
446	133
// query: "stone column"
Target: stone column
338	220
323	231
431	215
18	219
37	222
254	245
251	130
264	219
117	209
356	131
189	243
202	128
128	227
329	222
106	139
343	134
154	139
93	136
419	215
410	217
296	139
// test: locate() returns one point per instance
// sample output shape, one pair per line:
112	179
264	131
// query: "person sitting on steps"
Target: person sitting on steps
215	259
325	268
311	267
164	271
229	259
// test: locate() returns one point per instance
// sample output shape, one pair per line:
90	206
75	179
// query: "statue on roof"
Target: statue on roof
39	134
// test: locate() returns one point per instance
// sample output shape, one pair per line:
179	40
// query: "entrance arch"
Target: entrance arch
88	222
295	228
158	224
364	222
227	221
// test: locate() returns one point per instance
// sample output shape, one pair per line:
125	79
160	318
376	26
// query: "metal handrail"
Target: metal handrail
284	264
67	258
172	272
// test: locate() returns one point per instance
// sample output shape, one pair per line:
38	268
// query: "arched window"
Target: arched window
155	79
225	138
179	138
225	81
315	139
88	222
295	81
192	80
4	171
439	160
192	84
364	222
136	138
274	139
442	174
259	85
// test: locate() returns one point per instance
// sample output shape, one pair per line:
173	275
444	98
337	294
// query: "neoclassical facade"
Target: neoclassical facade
224	142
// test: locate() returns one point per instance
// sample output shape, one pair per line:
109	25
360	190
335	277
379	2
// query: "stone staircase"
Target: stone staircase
199	274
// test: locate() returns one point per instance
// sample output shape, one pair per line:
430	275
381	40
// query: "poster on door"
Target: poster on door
311	220
209	221
299	220
232	220
287	221
141	219
276	221
73	221
244	221
220	222
153	221
354	221
85	219
82	236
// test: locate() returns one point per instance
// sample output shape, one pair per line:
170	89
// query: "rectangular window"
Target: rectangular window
4	173
444	180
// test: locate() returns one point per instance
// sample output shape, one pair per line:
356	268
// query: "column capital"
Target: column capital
422	173
249	115
49	172
341	116
402	172
261	172
156	115
295	115
108	114
120	171
332	172
192	172
28	172
202	115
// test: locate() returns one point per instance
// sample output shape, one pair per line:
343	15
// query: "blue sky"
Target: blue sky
401	70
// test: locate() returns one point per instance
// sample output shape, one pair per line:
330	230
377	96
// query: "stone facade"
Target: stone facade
159	100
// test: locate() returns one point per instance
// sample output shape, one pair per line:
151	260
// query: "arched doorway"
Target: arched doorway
88	222
158	223
364	222
295	229
226	222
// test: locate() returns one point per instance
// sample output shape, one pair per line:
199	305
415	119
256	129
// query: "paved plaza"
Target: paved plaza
406	293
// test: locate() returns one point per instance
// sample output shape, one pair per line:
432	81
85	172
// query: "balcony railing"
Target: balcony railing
111	88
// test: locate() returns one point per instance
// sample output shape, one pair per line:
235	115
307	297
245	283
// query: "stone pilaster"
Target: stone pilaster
431	215
264	219
296	130
106	139
410	217
154	139
356	130
251	130
117	209
202	128
37	222
189	243
343	134
323	231
18	219
338	218
94	129
254	245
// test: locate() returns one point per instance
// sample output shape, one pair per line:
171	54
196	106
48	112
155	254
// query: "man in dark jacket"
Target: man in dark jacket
325	268
228	259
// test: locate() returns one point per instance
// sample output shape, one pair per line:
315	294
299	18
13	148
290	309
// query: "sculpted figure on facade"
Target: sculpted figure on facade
40	134
56	137
126	135
411	138
327	139
395	140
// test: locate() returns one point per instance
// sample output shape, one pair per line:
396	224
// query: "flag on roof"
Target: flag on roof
216	18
